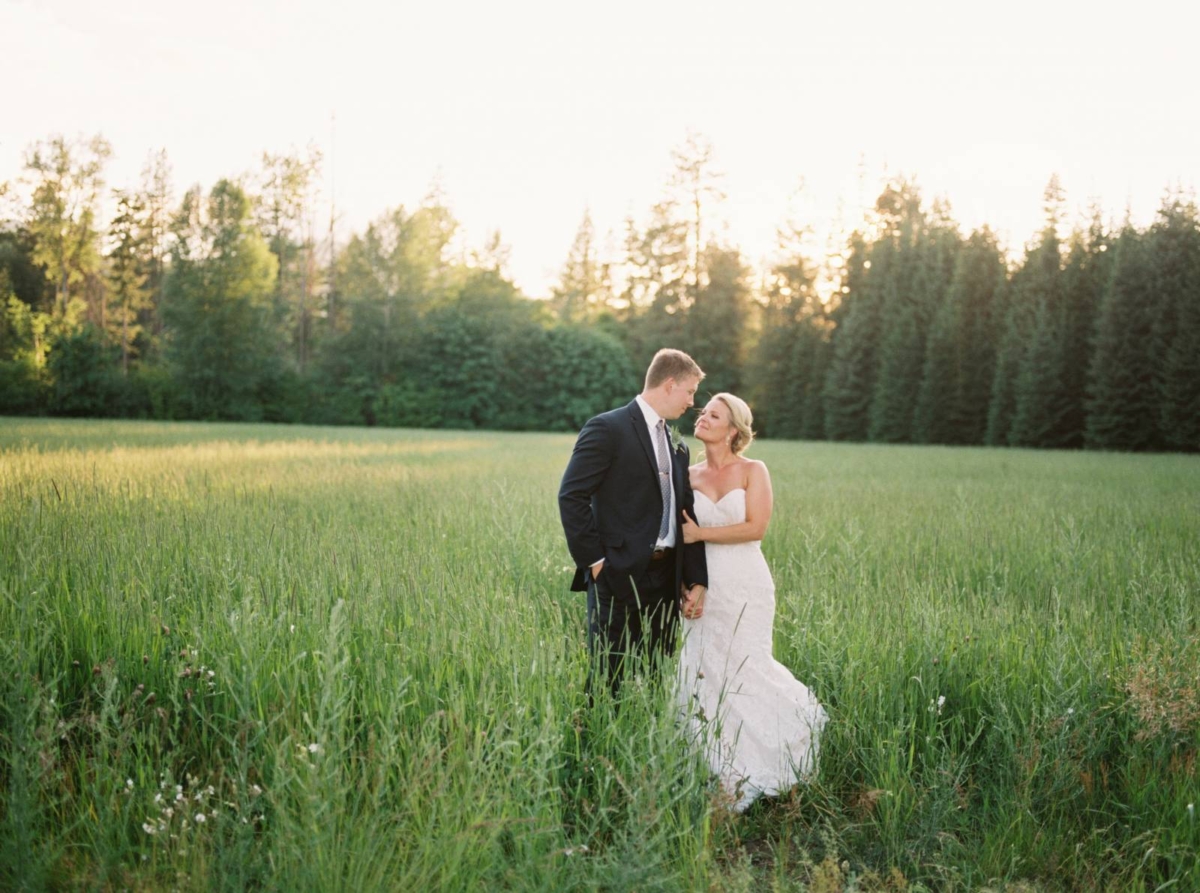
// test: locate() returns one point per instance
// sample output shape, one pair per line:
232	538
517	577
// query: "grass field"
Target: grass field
331	659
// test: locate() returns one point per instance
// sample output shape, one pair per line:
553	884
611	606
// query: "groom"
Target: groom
621	501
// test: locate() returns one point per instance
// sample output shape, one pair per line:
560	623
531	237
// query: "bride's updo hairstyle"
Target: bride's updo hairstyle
741	418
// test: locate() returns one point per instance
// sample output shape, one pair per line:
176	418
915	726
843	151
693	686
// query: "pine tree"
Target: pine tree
716	321
1175	258
811	362
941	391
927	246
655	296
584	287
901	361
1051	385
127	274
1122	405
785	372
854	344
960	356
1034	285
1087	269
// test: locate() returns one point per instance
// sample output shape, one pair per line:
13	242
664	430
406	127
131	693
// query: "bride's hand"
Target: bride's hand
691	530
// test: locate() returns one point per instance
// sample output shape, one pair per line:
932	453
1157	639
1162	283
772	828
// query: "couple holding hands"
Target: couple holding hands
663	547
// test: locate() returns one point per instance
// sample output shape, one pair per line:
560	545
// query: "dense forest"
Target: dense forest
233	302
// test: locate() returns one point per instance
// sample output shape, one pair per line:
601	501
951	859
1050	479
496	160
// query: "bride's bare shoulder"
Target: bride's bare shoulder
755	468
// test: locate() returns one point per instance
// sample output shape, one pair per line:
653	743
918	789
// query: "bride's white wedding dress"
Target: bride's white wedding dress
759	727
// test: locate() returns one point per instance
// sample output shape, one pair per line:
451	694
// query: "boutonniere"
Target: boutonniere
677	440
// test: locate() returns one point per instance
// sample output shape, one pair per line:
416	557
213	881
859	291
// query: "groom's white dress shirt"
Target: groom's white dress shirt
652	420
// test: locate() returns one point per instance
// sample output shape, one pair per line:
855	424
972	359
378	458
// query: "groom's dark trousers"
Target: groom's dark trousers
619	631
611	507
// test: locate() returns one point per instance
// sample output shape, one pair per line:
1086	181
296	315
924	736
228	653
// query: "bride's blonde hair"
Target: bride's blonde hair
741	418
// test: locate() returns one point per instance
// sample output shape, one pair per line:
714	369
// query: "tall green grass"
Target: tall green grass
354	654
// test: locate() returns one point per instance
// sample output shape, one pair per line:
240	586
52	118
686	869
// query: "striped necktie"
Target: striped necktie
663	452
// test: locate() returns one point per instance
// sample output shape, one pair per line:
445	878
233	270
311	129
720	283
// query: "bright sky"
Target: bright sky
528	112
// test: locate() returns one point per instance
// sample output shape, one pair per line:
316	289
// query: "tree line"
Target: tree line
231	303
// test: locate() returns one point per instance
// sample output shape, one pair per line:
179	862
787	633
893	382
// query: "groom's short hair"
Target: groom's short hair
671	363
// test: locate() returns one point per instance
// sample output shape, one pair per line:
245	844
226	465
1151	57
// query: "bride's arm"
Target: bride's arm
759	501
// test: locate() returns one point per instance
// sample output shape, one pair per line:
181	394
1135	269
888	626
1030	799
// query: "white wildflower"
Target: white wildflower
314	748
201	818
147	827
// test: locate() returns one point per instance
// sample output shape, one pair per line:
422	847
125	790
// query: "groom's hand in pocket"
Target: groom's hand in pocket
596	568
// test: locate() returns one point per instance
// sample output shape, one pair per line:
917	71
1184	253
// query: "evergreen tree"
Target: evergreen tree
1035	284
1122	406
1174	245
1050	393
584	288
655	296
926	249
1087	270
127	275
785	372
715	323
854	344
960	357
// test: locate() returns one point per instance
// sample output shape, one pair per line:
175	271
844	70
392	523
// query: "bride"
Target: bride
759	727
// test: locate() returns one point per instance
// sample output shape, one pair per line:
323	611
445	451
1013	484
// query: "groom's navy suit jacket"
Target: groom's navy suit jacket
611	504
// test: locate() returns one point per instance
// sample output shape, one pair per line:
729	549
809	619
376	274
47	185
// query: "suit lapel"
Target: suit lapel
642	433
678	470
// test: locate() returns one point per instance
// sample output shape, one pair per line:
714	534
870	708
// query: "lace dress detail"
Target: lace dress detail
758	726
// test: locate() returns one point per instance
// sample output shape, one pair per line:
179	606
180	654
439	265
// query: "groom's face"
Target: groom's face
681	395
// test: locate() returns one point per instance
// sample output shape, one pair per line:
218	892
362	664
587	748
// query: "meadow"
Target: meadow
290	658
